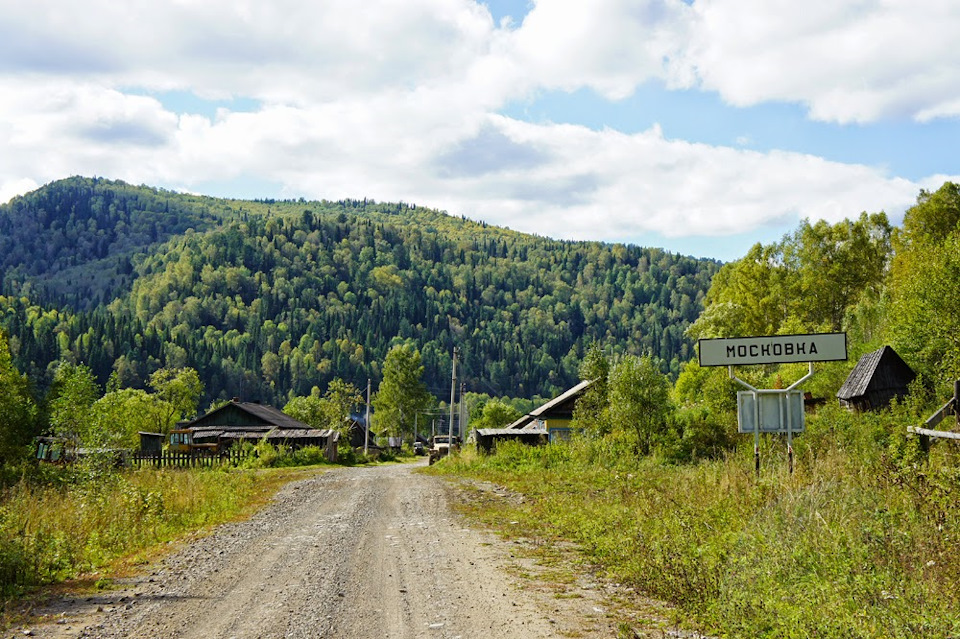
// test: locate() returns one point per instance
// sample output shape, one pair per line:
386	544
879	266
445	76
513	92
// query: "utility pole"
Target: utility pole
453	394
366	421
463	414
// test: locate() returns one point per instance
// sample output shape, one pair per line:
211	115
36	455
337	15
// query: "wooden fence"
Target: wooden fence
195	459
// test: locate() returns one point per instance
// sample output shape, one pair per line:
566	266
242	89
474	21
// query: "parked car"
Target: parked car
441	447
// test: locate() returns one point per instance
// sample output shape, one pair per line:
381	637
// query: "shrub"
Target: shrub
700	434
309	456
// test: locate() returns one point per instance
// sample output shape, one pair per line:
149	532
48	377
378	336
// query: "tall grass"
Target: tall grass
53	531
860	541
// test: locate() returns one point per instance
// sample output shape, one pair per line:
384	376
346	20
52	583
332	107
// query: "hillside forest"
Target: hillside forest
268	300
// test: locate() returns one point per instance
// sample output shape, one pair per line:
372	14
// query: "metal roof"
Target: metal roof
553	403
488	432
295	433
279	433
271	417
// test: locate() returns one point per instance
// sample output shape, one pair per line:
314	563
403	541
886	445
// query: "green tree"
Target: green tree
935	216
749	296
639	400
925	285
178	391
117	418
341	399
837	266
496	414
402	392
330	411
709	387
70	402
591	411
18	412
815	279
309	409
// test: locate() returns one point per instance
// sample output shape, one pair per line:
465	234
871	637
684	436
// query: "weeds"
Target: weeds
858	542
51	532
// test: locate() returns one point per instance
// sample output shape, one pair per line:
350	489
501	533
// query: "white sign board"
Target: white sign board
778	349
779	411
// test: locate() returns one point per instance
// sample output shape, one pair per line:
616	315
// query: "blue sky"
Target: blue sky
697	126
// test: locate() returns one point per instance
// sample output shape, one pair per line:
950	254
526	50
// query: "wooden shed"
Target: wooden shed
151	443
877	378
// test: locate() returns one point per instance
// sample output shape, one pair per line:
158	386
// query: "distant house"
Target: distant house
238	422
877	378
553	417
357	431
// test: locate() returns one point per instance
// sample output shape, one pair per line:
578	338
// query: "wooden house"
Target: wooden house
555	416
238	422
877	378
357	431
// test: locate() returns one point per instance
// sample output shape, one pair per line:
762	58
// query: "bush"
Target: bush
347	455
700	434
309	456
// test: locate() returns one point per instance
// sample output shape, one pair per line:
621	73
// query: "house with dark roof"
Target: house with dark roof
877	378
554	417
357	432
237	422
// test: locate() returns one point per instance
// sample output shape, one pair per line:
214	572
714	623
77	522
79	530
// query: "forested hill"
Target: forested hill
270	298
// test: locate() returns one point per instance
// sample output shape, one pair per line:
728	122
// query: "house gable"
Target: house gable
876	379
555	414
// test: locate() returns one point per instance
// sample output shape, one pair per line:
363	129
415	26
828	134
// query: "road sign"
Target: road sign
770	411
777	349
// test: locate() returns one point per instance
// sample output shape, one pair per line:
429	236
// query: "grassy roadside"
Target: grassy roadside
92	530
850	545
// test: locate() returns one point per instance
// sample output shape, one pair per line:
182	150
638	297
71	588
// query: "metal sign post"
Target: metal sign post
772	410
756	417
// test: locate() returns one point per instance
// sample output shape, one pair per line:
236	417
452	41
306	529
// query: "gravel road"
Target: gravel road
354	552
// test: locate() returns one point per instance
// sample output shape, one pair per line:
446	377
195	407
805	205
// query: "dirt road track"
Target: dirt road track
352	553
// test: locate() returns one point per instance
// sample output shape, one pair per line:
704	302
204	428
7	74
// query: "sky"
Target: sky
701	127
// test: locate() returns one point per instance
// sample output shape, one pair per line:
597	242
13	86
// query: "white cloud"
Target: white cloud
846	61
608	185
397	100
285	51
854	61
607	45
